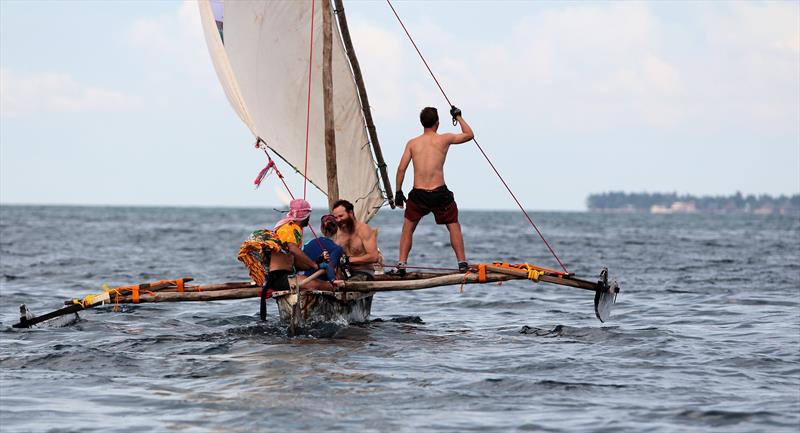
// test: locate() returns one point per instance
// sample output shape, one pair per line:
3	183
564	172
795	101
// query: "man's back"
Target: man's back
428	153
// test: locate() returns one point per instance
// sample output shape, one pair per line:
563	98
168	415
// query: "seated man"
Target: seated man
289	232
358	240
315	249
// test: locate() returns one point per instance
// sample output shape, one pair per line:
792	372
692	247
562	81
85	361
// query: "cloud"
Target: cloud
592	66
385	66
23	94
176	38
602	66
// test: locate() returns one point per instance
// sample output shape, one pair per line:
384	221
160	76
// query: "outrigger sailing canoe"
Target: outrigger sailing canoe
293	78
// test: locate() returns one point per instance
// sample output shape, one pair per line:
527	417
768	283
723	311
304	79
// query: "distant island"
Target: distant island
663	203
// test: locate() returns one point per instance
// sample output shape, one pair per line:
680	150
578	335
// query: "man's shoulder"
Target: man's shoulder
445	139
364	230
436	138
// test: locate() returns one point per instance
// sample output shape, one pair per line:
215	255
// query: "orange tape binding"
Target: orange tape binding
179	283
481	273
135	294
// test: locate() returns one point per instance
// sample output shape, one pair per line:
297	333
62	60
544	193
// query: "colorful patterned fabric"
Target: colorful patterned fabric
256	251
289	233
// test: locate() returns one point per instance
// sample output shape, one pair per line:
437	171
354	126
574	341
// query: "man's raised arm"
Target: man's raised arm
400	198
466	132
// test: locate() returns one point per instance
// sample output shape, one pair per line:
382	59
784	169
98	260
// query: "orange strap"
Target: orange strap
481	273
179	283
135	294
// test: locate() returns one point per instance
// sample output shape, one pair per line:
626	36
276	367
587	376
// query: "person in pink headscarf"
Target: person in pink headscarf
289	233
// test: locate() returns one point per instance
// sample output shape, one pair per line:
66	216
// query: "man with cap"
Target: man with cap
289	233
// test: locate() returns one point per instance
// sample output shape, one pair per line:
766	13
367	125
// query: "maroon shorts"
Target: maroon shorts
440	201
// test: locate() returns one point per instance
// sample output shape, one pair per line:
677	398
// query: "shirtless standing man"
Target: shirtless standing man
359	241
430	194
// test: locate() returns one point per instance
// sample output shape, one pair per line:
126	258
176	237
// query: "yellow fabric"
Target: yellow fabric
290	232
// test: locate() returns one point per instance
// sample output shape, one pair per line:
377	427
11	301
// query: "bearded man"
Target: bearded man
358	240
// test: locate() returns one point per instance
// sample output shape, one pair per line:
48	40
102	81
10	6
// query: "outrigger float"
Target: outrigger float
347	303
258	51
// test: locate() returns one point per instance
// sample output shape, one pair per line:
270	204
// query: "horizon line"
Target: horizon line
224	206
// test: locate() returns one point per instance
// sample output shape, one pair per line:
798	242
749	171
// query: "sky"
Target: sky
117	103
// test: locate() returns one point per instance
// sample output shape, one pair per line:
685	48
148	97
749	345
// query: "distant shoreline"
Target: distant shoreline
673	203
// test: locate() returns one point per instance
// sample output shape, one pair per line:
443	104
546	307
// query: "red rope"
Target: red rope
530	220
308	100
419	52
280	176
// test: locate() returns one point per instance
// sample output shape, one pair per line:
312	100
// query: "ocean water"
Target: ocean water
705	335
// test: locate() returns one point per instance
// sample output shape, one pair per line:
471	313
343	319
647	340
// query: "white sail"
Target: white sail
263	66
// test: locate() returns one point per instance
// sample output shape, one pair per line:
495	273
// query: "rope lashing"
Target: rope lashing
528	267
530	220
466	274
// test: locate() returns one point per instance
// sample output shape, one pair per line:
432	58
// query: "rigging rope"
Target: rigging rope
261	144
308	100
530	220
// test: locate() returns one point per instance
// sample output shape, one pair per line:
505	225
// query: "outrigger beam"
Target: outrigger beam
176	291
604	299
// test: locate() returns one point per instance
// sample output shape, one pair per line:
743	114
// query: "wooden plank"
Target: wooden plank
212	287
27	323
214	295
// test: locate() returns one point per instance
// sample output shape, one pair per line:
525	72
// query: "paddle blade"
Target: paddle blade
604	300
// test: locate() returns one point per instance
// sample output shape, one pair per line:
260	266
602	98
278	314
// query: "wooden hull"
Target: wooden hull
322	307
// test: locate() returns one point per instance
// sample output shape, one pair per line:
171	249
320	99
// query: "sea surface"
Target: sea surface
705	335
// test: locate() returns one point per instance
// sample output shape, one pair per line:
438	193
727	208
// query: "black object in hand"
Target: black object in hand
400	199
455	112
344	266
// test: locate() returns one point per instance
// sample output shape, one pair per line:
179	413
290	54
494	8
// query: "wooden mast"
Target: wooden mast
362	94
327	95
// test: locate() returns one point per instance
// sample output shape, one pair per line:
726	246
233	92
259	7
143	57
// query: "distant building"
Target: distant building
676	207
